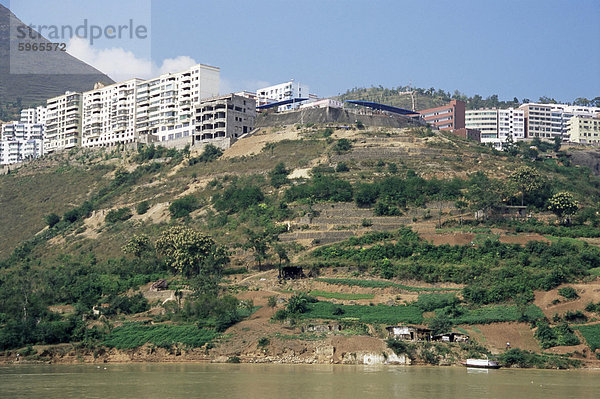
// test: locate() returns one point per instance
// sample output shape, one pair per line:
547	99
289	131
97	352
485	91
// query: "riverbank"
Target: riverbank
336	350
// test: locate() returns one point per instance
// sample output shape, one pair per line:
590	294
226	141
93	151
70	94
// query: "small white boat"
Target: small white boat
482	363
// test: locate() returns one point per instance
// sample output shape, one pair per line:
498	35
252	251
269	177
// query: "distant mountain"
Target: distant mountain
61	71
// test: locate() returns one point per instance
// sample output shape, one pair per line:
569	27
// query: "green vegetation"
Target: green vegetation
493	271
134	335
209	154
591	333
341	295
52	219
182	207
499	313
117	215
568	293
279	175
526	359
380	314
379	284
557	336
142	207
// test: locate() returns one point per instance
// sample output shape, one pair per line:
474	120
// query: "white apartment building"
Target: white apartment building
224	119
164	105
63	122
496	125
109	114
584	129
291	90
34	115
20	142
551	120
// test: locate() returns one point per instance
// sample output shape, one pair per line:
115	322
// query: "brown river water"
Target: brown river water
290	381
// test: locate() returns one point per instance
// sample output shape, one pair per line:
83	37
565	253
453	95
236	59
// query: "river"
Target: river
251	381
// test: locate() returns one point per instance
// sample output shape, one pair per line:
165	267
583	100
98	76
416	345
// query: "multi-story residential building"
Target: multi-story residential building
164	105
584	129
292	90
63	122
109	114
20	141
447	117
496	125
224	118
551	120
34	115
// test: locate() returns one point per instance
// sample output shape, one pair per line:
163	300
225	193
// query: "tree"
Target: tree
259	242
557	143
137	245
52	219
279	175
342	145
440	324
563	205
527	180
484	193
190	252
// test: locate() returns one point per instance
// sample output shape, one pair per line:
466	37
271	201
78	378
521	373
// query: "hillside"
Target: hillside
381	221
26	85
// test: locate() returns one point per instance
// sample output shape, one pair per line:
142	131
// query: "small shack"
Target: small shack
291	273
409	333
451	337
159	285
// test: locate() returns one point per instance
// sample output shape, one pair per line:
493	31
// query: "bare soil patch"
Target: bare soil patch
495	336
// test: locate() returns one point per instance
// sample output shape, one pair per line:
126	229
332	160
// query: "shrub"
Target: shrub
238	197
568	292
52	219
299	303
142	207
71	216
272	301
279	175
341	167
263	342
116	215
430	302
182	207
209	154
342	145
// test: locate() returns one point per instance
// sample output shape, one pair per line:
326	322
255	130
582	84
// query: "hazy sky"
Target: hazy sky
509	47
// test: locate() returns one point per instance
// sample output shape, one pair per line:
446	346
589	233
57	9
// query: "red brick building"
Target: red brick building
447	117
466	133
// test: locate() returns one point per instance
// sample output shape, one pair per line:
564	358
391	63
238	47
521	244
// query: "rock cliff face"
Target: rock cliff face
61	71
588	158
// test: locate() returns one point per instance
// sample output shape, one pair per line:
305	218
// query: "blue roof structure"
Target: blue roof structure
383	107
284	102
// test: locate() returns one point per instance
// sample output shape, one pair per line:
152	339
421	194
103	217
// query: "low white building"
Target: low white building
323	103
291	90
496	125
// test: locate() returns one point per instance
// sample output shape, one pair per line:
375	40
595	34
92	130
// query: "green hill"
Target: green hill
373	204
